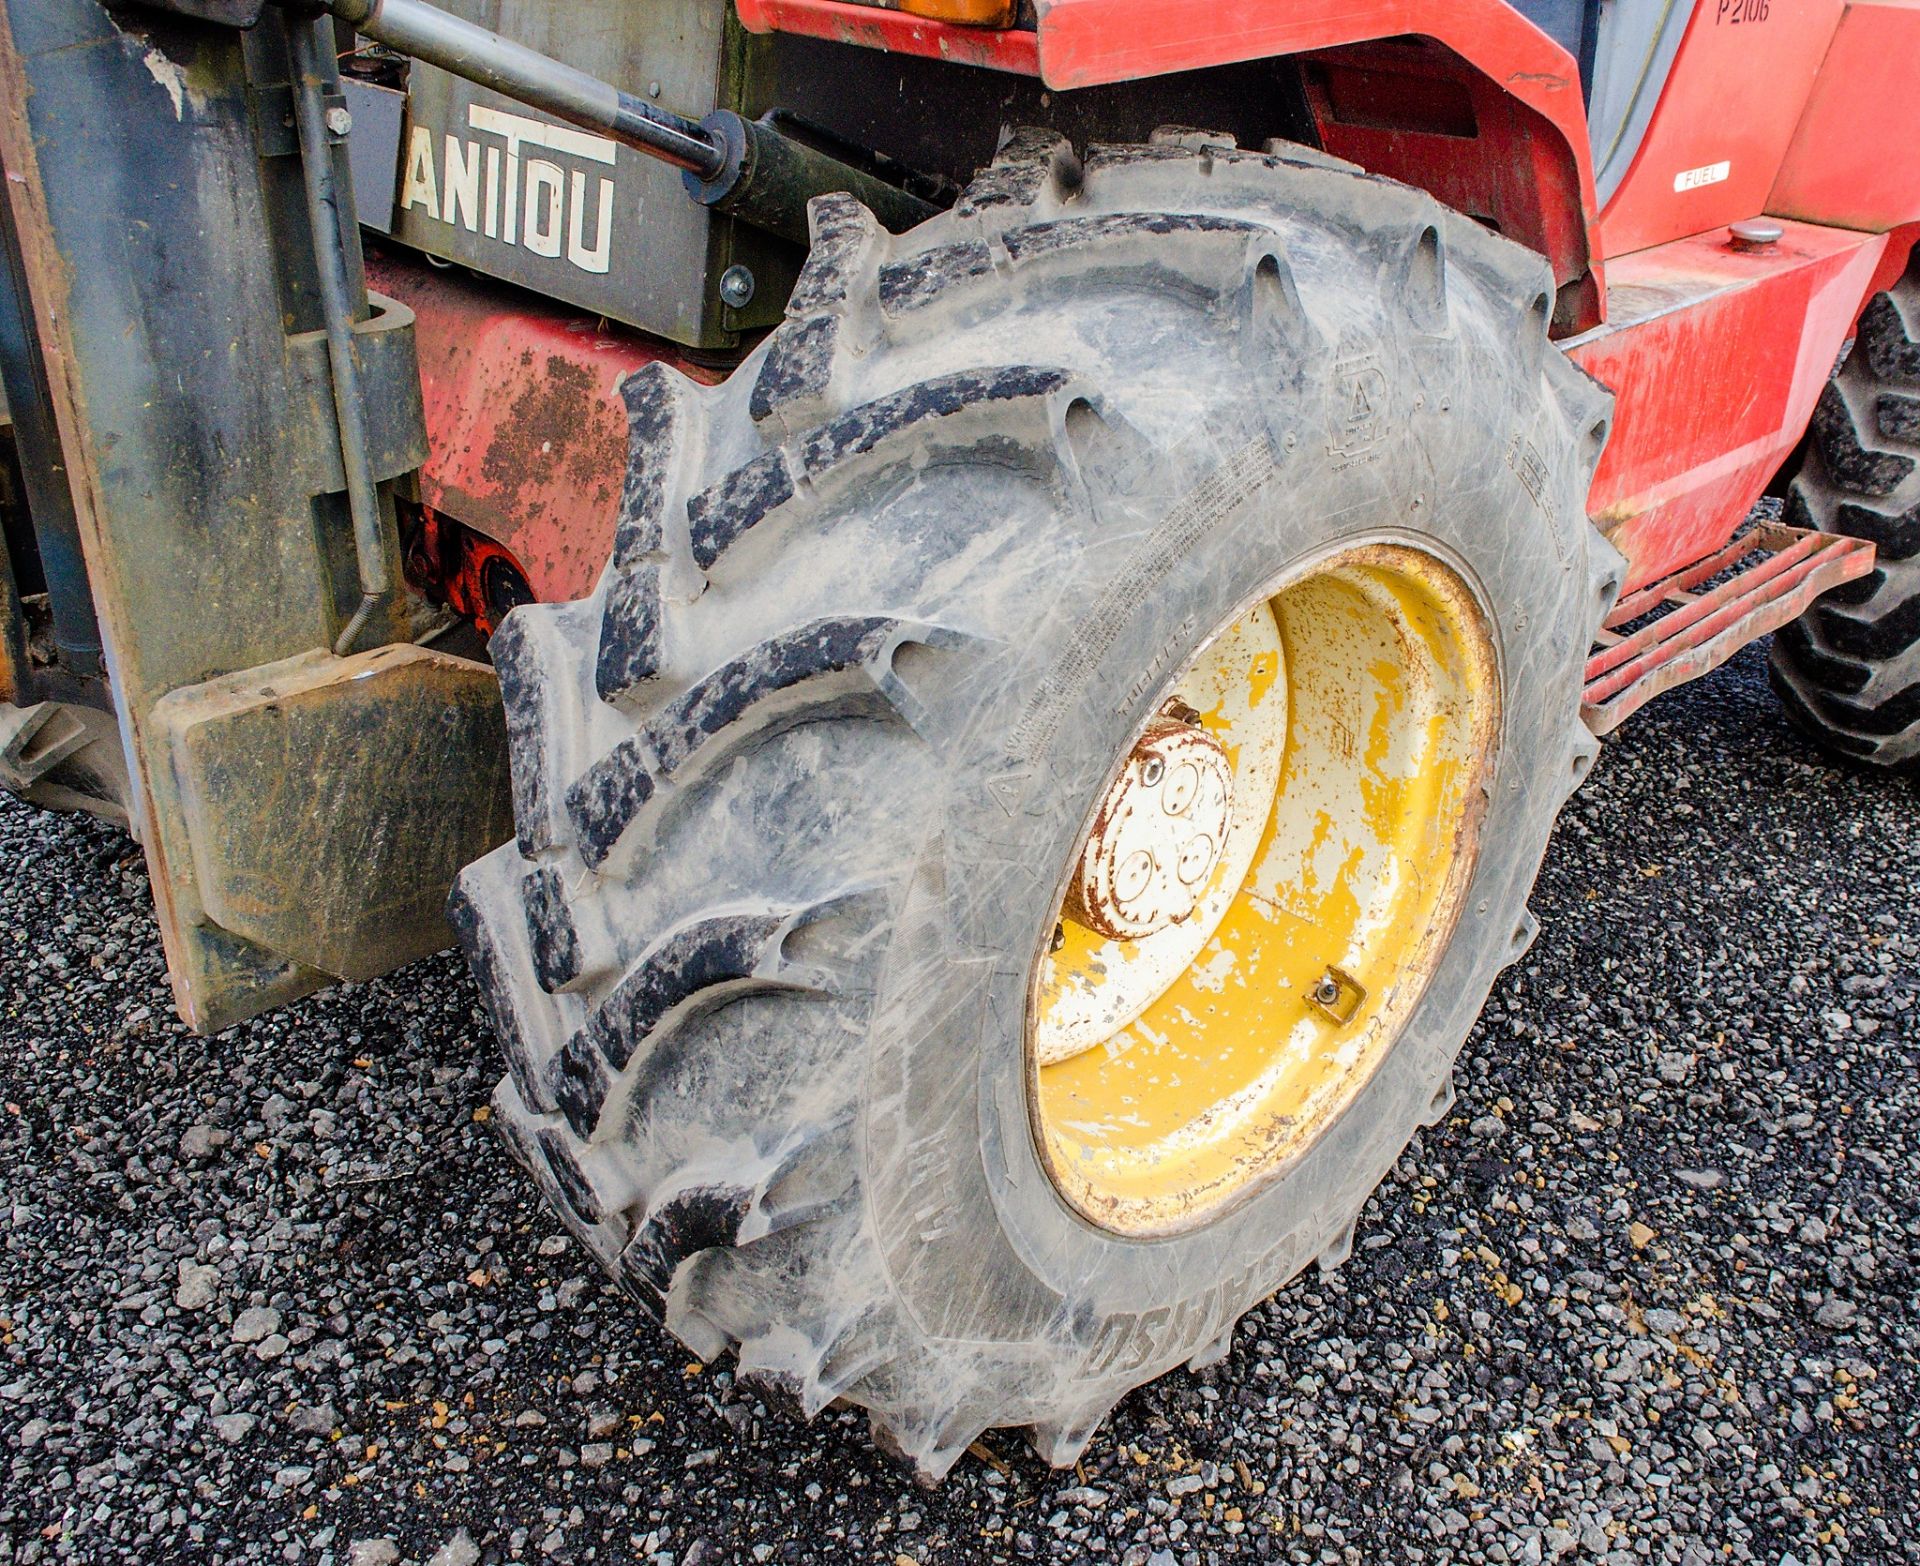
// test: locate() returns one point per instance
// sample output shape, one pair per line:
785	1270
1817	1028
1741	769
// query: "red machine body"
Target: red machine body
1716	351
529	433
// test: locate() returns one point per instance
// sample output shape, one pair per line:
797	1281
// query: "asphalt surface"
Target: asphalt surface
1649	1295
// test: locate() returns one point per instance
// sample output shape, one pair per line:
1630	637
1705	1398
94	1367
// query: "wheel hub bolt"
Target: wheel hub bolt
1338	995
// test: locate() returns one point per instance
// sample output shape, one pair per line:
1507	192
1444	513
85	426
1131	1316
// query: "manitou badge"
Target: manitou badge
505	183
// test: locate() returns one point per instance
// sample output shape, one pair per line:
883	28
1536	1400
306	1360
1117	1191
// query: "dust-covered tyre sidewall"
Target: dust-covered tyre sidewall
798	787
990	889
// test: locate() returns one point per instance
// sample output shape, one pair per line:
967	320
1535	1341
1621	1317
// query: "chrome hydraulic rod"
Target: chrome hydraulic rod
745	168
425	32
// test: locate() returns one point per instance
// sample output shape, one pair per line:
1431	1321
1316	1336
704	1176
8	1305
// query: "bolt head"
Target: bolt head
339	121
1182	786
736	287
1133	875
1197	856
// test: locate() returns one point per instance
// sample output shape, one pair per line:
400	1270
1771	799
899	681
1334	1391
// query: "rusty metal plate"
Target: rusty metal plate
330	801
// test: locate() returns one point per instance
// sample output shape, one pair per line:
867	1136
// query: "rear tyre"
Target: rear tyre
1848	670
800	786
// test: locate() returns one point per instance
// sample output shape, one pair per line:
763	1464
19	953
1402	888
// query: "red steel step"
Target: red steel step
1787	568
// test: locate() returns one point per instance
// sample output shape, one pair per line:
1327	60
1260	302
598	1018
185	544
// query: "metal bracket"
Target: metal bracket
1779	571
302	814
390	389
275	134
329	802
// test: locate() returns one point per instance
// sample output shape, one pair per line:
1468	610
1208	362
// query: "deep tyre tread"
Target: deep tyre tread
784	779
1848	671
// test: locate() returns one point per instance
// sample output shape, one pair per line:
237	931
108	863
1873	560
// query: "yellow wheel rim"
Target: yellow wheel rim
1189	1039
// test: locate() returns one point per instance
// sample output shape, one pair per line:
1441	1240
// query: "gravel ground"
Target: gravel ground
1650	1294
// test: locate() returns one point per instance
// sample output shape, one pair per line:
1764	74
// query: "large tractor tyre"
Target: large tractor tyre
1011	849
1848	670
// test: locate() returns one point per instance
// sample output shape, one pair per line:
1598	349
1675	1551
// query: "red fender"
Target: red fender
1085	43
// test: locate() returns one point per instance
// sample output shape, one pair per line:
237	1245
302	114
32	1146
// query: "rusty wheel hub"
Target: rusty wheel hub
1158	834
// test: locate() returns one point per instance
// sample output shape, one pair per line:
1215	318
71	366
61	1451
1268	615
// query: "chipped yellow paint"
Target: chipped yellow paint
1385	665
